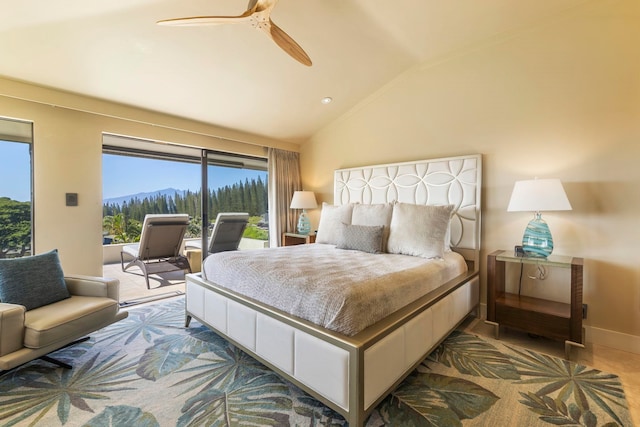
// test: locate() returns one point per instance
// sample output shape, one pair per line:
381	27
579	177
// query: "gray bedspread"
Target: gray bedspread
341	290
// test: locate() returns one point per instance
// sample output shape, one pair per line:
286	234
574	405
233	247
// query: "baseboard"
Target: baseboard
599	336
612	339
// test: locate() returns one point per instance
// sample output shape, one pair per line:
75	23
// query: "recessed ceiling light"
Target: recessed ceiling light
326	100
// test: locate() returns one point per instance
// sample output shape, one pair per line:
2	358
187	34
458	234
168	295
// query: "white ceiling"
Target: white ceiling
233	76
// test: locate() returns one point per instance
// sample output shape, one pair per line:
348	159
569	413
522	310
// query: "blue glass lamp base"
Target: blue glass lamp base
304	225
537	240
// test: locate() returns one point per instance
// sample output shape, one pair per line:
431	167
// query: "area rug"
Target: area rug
148	370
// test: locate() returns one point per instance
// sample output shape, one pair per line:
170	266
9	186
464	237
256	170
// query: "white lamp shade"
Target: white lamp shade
303	200
537	195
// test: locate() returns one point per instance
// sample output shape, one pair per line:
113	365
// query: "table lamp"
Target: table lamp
537	195
304	200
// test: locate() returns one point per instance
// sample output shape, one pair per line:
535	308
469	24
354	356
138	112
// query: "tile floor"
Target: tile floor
626	365
133	287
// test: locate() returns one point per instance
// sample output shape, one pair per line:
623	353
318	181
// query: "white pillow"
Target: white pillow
447	237
331	220
374	215
419	230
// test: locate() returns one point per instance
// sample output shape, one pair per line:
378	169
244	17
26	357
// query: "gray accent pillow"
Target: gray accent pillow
331	220
32	281
419	230
365	238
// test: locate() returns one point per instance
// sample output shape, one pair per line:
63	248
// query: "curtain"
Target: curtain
284	180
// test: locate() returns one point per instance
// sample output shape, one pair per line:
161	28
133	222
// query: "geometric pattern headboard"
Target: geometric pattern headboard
453	180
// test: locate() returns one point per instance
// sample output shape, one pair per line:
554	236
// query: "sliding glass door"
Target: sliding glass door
143	177
237	184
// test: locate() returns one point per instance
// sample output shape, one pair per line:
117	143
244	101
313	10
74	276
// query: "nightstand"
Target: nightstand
291	239
551	319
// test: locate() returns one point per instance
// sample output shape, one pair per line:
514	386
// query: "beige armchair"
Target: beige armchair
30	334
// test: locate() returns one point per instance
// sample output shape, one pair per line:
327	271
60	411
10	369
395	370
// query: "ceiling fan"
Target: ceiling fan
258	15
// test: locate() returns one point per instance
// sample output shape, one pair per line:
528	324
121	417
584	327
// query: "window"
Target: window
142	177
134	186
16	216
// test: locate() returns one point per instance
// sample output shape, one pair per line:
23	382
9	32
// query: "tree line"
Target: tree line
15	228
124	221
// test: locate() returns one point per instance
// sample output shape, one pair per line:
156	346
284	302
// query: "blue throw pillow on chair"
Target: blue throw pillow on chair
32	281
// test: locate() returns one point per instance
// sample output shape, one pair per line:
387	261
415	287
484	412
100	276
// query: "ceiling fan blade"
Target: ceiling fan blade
258	16
206	20
288	44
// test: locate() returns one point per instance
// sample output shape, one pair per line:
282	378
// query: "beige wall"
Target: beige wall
68	159
560	99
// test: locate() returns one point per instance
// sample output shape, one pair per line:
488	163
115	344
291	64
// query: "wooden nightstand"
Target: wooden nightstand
291	239
555	320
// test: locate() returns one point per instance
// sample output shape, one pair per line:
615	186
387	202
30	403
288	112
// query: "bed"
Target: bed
351	348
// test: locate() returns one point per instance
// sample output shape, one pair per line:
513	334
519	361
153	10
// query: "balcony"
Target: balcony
133	288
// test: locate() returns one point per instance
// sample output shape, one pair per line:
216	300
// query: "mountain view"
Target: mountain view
168	192
123	216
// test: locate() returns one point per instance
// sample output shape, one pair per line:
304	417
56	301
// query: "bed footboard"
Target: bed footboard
349	374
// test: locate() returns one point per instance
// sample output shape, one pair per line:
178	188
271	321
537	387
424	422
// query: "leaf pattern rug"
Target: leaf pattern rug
148	370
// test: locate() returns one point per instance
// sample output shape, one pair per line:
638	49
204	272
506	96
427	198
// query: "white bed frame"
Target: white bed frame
353	374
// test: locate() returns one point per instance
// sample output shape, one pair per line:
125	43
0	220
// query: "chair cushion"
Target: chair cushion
32	281
70	318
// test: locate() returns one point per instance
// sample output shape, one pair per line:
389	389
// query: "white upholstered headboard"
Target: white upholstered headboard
452	180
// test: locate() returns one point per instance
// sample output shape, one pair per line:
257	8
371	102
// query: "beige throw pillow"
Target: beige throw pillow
331	220
372	215
419	230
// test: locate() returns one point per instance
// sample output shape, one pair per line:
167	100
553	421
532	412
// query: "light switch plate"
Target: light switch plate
72	199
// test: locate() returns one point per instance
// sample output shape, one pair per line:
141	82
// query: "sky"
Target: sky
15	167
121	175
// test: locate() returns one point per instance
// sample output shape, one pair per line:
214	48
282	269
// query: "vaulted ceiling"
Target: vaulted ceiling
234	76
